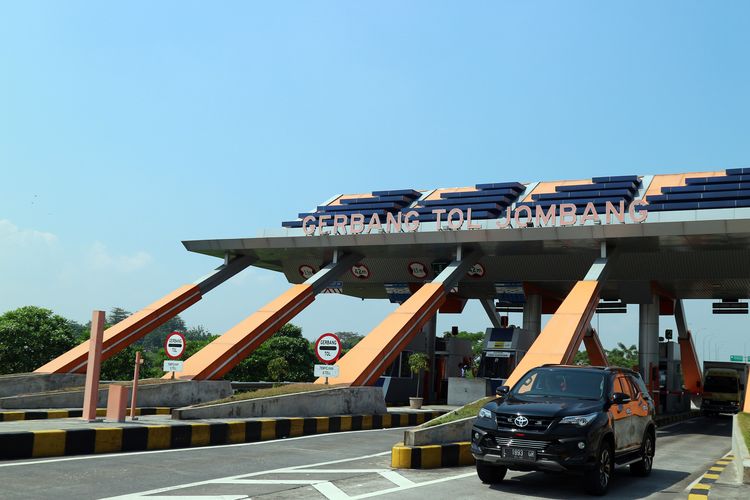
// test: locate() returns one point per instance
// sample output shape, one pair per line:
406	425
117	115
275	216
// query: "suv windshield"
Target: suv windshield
719	383
561	382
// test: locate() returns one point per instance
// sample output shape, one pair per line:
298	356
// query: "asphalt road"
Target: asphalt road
340	466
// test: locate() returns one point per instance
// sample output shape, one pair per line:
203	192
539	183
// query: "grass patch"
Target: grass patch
744	421
274	391
470	410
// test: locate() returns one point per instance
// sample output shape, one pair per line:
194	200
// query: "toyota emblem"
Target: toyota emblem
521	421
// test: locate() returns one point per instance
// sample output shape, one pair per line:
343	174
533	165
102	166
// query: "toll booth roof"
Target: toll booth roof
688	234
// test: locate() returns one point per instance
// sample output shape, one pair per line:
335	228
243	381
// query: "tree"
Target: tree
287	343
622	356
348	340
418	361
32	336
117	314
278	369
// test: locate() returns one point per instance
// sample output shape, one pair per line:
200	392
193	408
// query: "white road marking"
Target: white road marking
178	450
331	491
415	485
245	475
396	478
324	486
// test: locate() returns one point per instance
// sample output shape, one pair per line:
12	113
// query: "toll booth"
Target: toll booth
503	349
672	397
446	356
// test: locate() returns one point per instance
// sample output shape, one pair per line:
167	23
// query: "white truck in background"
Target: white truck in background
723	387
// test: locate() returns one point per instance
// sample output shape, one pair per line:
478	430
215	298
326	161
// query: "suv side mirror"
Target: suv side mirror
502	391
619	398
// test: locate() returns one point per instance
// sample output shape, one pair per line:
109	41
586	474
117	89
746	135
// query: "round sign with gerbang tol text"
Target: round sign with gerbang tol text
328	348
174	345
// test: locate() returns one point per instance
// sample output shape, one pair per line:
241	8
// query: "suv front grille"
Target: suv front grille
507	421
521	443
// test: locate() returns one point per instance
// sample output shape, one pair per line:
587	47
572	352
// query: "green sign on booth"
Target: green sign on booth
734	357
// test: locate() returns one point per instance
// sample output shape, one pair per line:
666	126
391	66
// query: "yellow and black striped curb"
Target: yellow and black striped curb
11	416
431	456
54	443
700	490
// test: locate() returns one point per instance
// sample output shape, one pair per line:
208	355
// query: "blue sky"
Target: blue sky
128	127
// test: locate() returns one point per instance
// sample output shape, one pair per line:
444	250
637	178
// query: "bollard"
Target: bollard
136	372
93	367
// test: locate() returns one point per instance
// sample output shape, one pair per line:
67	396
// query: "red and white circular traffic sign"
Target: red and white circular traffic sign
174	345
328	348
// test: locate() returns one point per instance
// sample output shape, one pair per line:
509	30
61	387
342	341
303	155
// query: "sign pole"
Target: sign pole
136	372
93	367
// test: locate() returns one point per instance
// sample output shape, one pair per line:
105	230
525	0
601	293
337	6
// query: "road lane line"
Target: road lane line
294	468
396	478
415	485
331	491
178	450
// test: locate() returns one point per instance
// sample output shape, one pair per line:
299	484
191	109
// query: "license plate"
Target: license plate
519	453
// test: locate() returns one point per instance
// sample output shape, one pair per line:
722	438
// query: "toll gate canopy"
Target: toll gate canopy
557	247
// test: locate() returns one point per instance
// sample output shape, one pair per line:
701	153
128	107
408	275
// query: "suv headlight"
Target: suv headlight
485	413
580	420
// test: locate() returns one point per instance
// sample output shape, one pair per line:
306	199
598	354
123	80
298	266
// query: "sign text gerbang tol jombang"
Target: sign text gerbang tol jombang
457	219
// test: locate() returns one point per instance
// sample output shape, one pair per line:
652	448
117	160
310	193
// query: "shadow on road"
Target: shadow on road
720	425
623	486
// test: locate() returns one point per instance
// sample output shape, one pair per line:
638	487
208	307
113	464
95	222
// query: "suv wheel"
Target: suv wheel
597	478
643	468
490	474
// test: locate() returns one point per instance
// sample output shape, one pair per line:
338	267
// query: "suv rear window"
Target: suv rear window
569	383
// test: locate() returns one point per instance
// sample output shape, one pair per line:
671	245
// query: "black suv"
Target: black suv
578	419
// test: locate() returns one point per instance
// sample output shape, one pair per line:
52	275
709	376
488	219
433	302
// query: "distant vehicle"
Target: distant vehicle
722	391
574	419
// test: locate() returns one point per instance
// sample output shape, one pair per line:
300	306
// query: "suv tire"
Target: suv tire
648	448
597	479
490	474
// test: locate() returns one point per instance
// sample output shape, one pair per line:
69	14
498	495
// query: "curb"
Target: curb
13	416
701	489
431	456
55	443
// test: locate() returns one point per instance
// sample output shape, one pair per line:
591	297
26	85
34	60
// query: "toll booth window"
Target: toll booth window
491	367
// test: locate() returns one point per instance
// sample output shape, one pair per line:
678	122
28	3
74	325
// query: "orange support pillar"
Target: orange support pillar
132	328
691	368
559	341
367	360
746	405
594	349
127	331
221	355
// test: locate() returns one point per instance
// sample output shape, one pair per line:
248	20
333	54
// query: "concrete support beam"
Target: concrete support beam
221	355
532	314
597	355
367	360
691	368
430	332
562	335
489	308
648	338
